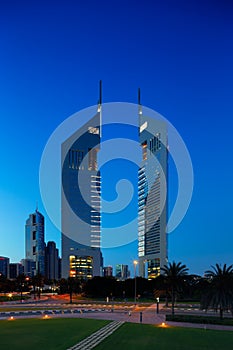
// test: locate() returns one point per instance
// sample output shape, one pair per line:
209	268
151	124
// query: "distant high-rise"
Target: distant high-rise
122	272
34	241
51	261
152	191
4	266
16	269
29	267
107	271
81	217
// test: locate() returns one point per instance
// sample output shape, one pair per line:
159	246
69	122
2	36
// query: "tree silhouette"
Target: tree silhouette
20	283
219	293
37	281
73	285
174	278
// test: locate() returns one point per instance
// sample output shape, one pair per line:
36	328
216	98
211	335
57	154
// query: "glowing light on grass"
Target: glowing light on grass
46	317
163	325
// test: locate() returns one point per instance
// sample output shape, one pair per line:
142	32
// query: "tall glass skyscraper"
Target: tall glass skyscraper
81	202
152	196
34	241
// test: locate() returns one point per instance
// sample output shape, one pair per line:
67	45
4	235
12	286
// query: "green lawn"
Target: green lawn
146	337
60	333
13	298
50	334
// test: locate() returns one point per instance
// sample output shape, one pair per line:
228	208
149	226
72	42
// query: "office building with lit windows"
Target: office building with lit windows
152	196
34	242
81	267
81	202
4	266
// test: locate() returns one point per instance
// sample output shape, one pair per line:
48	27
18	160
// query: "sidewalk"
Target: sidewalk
146	315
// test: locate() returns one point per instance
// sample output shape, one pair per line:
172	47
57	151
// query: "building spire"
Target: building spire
100	92
100	96
139	102
139	97
36	205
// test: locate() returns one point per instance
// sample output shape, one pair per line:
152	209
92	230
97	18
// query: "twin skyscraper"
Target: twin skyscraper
81	204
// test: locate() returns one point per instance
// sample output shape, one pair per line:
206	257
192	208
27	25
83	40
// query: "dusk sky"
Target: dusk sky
180	53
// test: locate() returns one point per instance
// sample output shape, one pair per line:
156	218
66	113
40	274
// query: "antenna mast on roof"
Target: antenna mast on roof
139	102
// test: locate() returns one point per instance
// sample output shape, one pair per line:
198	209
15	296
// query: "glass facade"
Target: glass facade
122	272
81	198
4	266
152	202
51	261
81	267
34	241
153	268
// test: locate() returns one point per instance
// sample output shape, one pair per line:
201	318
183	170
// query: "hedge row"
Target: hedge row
200	319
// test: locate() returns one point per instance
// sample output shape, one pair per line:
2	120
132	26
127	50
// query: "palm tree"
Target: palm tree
219	293
20	281
37	281
174	278
73	287
160	288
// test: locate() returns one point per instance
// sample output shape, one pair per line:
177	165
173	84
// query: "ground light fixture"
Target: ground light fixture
163	325
45	317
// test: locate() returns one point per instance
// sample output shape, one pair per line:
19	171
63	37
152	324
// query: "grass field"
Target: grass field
146	337
59	334
4	298
50	334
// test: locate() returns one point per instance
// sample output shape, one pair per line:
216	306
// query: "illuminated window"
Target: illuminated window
153	268
81	267
144	150
92	158
93	130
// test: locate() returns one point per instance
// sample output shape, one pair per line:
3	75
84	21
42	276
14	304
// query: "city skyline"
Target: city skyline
179	54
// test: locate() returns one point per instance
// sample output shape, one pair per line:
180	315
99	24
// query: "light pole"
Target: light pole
135	283
157	305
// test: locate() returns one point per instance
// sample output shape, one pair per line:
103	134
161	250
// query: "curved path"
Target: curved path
145	315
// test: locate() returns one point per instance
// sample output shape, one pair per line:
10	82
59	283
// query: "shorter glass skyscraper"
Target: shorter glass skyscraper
34	241
152	197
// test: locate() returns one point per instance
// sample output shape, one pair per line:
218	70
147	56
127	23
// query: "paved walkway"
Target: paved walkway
148	316
94	339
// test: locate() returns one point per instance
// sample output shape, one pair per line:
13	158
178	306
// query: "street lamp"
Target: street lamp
135	285
157	305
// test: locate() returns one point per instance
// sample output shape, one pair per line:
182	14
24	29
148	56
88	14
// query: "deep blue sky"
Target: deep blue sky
180	53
